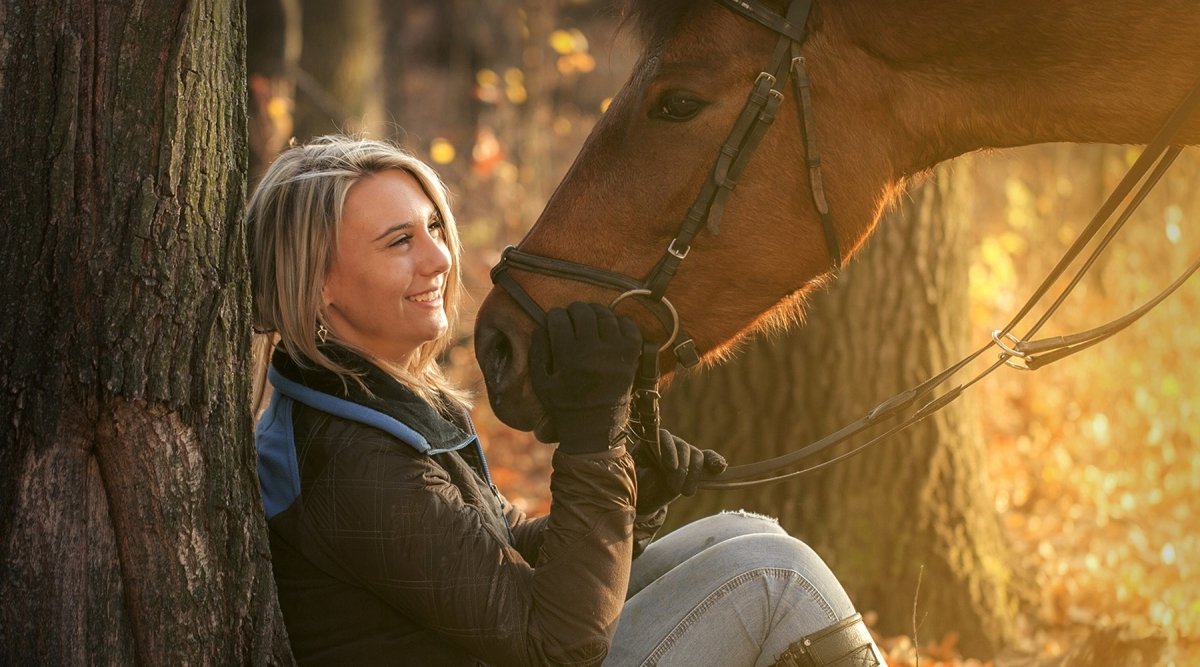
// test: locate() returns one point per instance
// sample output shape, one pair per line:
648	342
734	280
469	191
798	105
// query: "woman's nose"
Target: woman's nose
435	257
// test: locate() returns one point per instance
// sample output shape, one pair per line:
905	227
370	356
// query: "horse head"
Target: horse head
883	107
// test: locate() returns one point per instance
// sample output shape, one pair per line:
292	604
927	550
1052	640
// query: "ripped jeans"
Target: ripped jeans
729	590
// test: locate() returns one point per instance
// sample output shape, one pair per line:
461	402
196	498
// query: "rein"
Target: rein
1023	353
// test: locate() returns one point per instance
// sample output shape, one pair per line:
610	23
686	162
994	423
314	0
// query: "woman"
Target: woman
389	542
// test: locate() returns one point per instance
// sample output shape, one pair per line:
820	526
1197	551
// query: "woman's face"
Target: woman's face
383	292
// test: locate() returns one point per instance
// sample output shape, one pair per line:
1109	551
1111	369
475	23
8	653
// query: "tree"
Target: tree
915	509
132	527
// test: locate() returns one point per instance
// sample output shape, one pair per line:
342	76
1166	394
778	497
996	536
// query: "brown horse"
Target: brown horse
897	87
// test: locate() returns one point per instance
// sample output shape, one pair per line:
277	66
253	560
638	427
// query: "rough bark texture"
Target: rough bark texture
132	530
917	506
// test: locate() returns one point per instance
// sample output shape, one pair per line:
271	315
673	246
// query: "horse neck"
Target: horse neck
960	75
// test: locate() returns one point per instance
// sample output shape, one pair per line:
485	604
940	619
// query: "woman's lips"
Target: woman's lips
431	297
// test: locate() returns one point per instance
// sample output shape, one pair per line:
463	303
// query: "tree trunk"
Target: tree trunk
915	508
132	529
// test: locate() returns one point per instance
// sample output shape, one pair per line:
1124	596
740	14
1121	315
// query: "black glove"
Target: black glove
582	364
679	472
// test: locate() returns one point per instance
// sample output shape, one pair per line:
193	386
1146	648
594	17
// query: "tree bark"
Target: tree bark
133	530
917	508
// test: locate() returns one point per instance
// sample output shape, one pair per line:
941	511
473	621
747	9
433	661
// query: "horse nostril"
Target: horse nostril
495	352
502	353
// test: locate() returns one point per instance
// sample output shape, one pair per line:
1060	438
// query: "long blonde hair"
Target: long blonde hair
293	218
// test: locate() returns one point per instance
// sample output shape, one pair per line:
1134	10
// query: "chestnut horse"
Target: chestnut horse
897	86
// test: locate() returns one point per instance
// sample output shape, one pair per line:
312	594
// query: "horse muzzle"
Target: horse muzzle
502	334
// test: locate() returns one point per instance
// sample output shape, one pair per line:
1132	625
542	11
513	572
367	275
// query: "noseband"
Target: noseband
752	123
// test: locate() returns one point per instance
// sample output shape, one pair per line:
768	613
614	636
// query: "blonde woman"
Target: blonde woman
389	542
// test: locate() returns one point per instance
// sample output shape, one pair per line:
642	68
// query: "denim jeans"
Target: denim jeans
729	590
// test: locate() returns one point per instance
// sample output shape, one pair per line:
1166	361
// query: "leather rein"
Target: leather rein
756	117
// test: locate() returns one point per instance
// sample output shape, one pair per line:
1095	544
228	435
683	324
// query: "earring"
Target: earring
322	332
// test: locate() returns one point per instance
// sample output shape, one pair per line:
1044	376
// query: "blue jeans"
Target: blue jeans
728	590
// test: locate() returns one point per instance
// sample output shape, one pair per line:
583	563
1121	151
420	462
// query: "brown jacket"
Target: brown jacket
390	555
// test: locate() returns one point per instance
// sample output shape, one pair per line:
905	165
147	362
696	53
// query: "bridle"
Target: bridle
752	123
748	130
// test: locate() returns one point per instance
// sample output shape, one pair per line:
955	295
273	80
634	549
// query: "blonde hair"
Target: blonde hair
293	218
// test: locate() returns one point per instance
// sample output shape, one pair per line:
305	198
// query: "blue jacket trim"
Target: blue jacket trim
339	407
278	467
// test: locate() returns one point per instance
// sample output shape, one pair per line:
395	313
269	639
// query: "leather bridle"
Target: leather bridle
748	130
752	123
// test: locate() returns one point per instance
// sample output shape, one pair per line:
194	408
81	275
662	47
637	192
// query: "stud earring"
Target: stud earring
322	332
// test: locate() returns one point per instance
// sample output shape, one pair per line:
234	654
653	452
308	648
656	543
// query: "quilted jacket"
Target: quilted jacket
390	544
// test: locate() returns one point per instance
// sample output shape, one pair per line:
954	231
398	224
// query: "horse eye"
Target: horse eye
677	106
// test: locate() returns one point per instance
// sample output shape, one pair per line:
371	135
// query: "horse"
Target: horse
894	87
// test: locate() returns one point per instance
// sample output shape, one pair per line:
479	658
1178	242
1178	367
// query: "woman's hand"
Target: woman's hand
678	471
582	364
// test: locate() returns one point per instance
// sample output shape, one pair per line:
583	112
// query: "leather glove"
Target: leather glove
582	365
679	471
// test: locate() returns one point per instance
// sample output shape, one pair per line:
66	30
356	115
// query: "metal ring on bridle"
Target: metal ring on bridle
670	309
1007	349
1011	351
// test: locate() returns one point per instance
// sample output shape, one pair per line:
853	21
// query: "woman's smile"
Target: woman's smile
431	298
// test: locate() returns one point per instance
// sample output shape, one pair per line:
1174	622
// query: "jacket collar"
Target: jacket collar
390	397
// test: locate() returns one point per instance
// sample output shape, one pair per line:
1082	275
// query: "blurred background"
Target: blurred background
1049	515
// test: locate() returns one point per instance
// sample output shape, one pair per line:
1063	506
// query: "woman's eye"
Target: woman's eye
401	240
437	228
677	106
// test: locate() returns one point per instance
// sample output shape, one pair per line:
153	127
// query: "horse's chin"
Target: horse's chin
517	409
545	431
522	413
513	402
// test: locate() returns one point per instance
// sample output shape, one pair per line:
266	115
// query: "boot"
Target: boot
846	643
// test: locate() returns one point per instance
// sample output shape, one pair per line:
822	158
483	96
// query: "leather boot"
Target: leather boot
846	643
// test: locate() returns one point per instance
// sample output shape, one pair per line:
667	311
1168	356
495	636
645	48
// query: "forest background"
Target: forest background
1046	520
1093	465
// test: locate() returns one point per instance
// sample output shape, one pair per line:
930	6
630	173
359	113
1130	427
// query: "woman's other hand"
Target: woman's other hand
677	472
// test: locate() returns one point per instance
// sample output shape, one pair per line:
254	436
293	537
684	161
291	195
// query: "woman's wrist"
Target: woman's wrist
590	431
